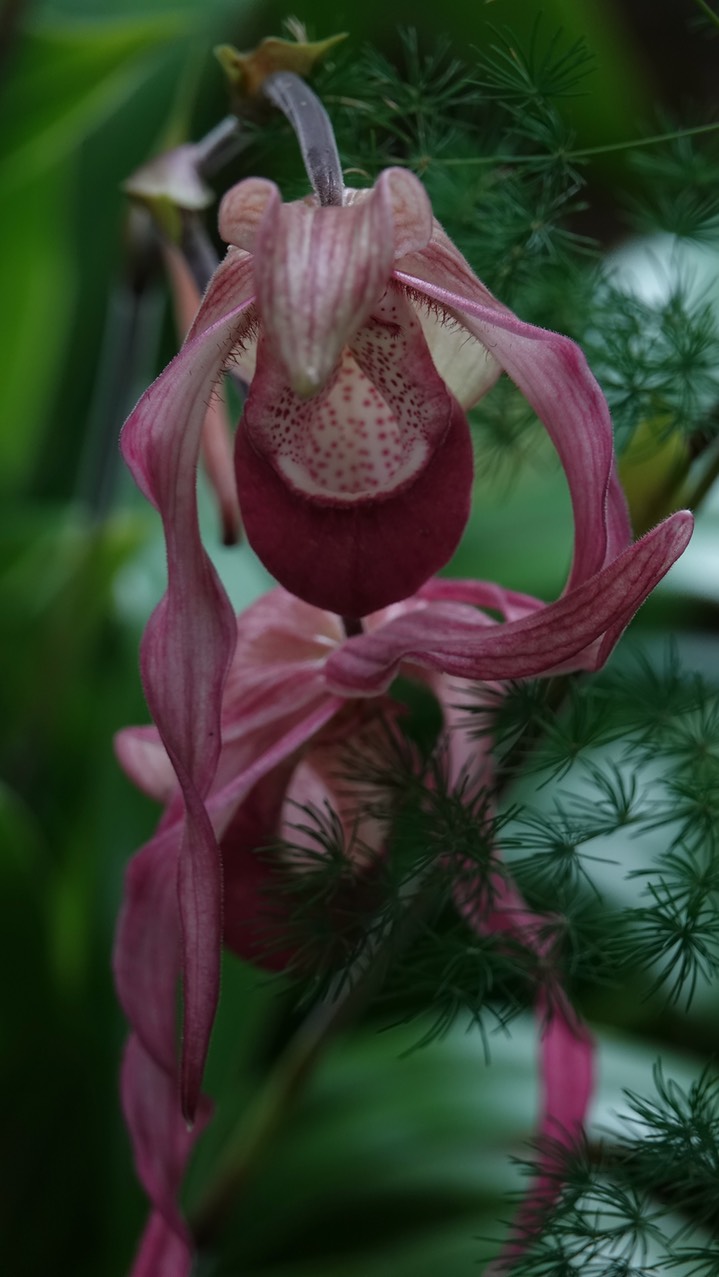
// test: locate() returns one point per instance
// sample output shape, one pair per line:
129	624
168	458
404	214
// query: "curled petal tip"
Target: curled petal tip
242	209
684	521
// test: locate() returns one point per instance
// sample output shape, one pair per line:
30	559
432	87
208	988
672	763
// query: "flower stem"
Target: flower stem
313	128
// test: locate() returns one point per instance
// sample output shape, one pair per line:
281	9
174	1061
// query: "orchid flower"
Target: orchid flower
295	686
365	334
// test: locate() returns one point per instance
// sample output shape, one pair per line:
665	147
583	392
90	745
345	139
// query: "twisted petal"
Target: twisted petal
576	632
161	1252
147	956
188	643
566	1069
566	1063
161	1145
553	376
566	1066
216	441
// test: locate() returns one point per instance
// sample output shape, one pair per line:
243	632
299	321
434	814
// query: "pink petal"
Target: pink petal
276	677
553	376
216	438
258	906
567	1085
457	276
485	594
242	209
561	635
147	953
188	642
161	1252
143	758
281	634
160	1139
296	733
147	958
199	888
566	1056
411	211
316	786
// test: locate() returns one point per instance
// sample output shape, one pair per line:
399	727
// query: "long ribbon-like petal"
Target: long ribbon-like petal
216	439
188	643
566	1055
161	1145
160	1138
161	1252
566	1069
563	635
552	374
147	955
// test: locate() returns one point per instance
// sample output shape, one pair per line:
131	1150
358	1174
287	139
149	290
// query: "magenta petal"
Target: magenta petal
567	1085
356	559
256	916
189	640
562	635
161	1141
143	758
147	954
485	594
295	734
161	1252
566	1058
199	888
567	1070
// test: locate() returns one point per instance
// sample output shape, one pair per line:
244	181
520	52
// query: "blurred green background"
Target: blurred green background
86	91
